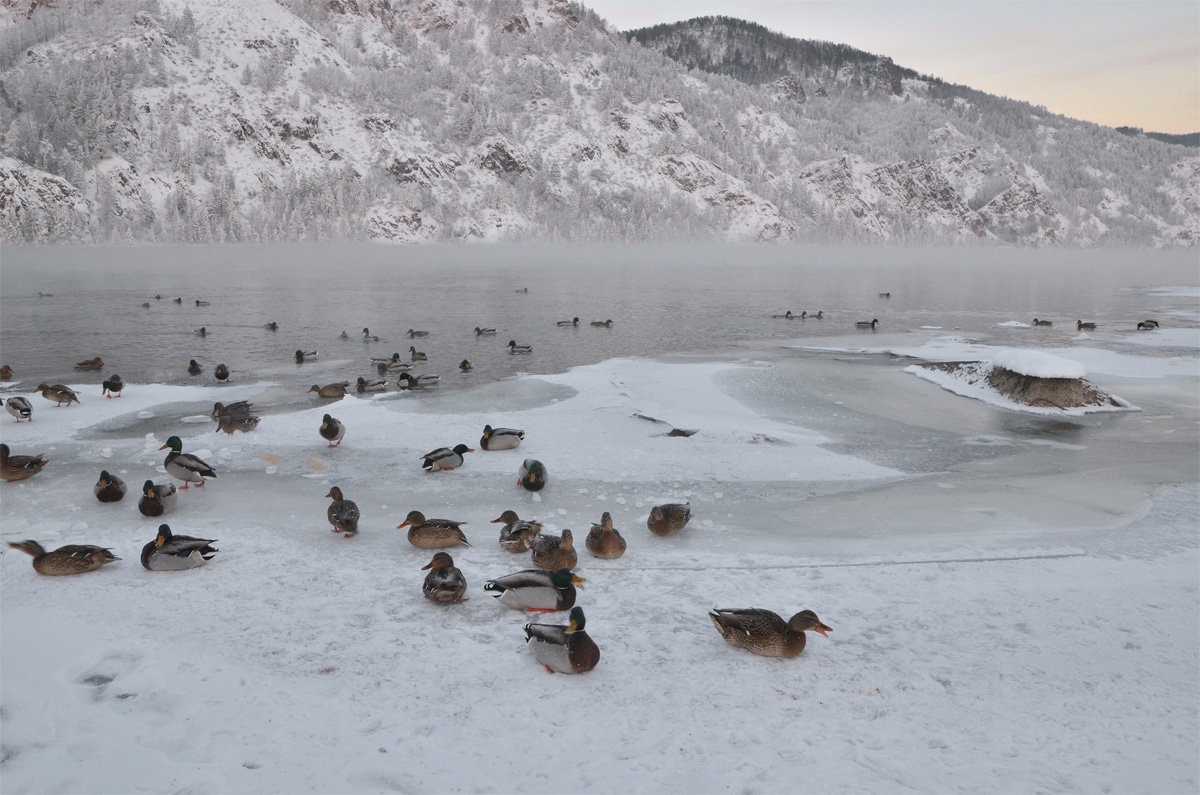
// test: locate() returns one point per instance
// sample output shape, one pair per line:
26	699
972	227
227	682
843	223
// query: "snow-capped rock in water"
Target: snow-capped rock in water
231	120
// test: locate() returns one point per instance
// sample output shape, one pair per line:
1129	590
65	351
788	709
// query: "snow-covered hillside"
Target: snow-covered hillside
218	120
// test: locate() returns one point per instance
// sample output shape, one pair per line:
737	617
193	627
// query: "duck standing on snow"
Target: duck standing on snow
535	590
668	519
169	552
19	467
444	583
500	438
433	533
342	513
19	408
444	458
186	466
91	364
71	559
516	535
532	475
565	649
332	430
157	499
337	390
113	386
764	632
222	373
554	552
109	488
603	541
58	393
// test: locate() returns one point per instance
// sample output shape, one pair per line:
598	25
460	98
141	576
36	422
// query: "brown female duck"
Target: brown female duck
764	632
71	559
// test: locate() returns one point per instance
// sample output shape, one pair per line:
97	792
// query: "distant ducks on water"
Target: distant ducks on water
6	372
500	438
514	348
201	332
71	559
532	475
342	513
444	458
572	322
58	393
1147	325
201	303
1037	322
414	333
668	519
185	466
464	366
194	367
109	488
303	356
1081	326
444	583
433	533
113	386
485	332
332	430
604	541
272	326
157	499
169	552
363	385
764	632
19	467
789	316
865	324
91	364
410	381
222	373
885	295
178	300
368	336
337	390
19	408
603	323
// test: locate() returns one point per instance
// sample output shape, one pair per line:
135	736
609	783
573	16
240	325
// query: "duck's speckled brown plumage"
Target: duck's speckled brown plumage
19	467
764	632
71	559
668	519
551	554
433	533
604	541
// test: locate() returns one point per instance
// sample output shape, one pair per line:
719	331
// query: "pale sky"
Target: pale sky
1114	62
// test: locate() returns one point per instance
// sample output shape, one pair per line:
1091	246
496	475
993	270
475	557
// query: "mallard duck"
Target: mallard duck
867	324
532	475
535	590
146	305
337	390
109	488
19	408
465	366
417	356
369	337
113	386
514	348
604	323
764	632
444	583
200	332
363	385
332	430
414	333
393	359
157	499
1147	325
383	368
169	552
302	356
194	367
668	519
272	326
342	513
516	535
410	381
58	393
185	466
178	300
484	332
71	559
344	335
201	303
820	314
604	541
1080	326
786	315
552	553
500	438
6	372
1037	322
19	467
571	322
444	458
241	422
91	364
433	533
240	408
222	373
565	649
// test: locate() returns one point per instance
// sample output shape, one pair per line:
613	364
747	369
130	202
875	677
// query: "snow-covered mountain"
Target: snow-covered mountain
219	120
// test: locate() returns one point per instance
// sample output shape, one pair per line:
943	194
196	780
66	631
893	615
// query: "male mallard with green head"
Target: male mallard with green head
185	466
109	488
565	649
535	590
157	499
332	430
500	438
169	552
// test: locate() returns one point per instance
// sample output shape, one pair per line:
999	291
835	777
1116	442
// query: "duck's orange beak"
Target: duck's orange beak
824	630
402	526
164	447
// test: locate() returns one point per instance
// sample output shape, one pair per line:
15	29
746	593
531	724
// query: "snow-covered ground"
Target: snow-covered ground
1017	612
